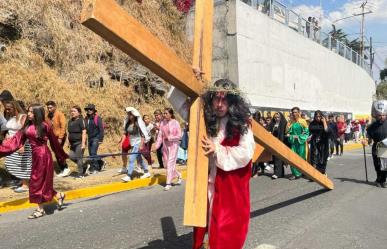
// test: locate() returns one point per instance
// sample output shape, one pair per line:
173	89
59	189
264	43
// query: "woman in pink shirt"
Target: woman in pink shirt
169	136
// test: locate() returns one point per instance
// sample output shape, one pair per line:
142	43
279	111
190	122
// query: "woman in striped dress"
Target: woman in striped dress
18	163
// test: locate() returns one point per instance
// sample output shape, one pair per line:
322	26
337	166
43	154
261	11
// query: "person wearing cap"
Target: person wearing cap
95	135
134	130
58	122
6	96
377	132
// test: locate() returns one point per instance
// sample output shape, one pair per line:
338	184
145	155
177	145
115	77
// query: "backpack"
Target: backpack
96	121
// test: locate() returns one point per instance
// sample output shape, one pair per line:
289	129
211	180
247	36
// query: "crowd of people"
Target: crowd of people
25	132
316	140
229	144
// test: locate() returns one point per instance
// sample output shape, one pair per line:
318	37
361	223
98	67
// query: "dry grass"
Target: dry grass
56	56
55	33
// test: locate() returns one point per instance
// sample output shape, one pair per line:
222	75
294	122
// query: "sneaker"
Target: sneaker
60	174
79	177
145	175
126	179
294	178
167	187
274	177
20	190
179	181
66	172
103	166
93	172
86	169
123	170
138	169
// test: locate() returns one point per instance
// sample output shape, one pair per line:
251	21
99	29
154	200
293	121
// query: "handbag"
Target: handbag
381	153
126	143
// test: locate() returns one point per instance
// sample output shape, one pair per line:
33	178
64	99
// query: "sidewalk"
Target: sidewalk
105	182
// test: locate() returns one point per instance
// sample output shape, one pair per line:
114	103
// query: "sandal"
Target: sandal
61	200
37	214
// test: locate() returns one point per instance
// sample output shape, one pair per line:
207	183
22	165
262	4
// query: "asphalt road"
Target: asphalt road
284	214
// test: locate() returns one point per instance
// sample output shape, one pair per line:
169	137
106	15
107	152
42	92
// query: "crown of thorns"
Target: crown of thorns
226	88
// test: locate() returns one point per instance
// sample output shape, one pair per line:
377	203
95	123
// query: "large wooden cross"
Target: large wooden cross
114	24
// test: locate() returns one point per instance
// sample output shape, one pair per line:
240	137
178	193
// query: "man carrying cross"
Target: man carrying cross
230	148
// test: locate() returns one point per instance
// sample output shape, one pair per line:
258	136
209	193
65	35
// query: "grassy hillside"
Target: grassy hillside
49	55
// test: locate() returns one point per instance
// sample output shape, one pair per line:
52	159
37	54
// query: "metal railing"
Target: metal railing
283	14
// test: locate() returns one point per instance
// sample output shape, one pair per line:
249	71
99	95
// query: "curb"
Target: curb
349	147
91	191
104	189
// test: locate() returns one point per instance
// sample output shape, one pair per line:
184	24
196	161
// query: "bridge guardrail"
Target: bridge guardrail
283	14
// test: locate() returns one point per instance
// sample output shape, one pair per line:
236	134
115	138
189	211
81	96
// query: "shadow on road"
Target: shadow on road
170	238
283	204
343	179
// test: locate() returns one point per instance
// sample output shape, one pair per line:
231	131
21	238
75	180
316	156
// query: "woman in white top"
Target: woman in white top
134	127
18	163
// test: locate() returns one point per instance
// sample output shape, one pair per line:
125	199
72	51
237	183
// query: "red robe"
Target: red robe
230	214
41	186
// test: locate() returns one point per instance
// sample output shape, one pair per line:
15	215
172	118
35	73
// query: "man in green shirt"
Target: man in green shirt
298	133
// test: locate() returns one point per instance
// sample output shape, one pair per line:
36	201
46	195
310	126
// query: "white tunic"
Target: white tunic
228	158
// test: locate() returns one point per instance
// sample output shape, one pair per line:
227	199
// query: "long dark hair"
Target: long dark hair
170	111
38	121
136	127
238	110
318	112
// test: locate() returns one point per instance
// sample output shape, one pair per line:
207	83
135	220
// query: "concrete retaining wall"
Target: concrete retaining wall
278	68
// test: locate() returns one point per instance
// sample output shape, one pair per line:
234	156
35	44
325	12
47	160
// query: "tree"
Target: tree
383	74
381	90
355	45
338	34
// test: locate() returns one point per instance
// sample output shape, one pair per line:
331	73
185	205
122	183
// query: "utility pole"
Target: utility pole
362	6
372	54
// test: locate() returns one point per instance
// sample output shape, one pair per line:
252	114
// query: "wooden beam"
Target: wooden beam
114	24
195	203
261	154
277	148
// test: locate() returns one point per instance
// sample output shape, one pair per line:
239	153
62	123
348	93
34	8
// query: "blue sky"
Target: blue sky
376	22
